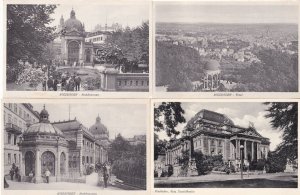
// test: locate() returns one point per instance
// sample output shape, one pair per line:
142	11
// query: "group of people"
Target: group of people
14	173
67	83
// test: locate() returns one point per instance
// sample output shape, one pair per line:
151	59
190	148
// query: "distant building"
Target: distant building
137	139
17	117
213	133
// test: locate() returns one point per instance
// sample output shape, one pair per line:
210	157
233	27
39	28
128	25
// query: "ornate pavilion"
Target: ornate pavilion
64	148
215	134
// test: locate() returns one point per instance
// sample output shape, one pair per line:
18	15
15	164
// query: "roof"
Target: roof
211	116
43	129
212	65
68	125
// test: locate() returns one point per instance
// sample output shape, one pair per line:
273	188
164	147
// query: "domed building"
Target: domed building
43	146
74	49
62	147
211	80
100	132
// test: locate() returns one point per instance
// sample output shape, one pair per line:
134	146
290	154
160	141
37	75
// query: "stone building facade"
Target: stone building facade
16	118
215	134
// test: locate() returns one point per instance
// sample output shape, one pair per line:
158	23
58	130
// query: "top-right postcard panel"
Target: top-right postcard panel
228	49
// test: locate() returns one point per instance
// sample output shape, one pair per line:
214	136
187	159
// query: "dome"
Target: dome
98	129
72	23
212	65
43	129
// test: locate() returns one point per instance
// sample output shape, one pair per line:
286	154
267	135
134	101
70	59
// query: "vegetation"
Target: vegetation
284	116
159	146
128	161
28	33
206	163
277	72
177	66
129	47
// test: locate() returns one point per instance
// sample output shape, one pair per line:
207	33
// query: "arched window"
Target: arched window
48	162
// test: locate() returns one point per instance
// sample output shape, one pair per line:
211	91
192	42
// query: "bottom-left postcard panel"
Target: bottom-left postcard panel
71	145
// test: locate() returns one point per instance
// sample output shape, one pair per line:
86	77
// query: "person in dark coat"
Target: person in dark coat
55	83
77	83
71	84
11	173
17	173
105	176
44	84
50	83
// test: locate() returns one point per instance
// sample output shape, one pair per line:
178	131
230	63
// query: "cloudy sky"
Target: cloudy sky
130	14
127	119
240	112
194	12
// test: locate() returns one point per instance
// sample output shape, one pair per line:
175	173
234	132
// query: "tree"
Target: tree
28	32
159	146
167	116
284	116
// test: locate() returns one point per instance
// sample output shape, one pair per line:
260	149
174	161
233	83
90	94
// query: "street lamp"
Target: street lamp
242	160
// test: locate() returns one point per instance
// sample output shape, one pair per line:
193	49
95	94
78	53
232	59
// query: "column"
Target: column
257	151
224	150
37	166
245	149
212	81
252	150
236	149
57	166
94	156
208	140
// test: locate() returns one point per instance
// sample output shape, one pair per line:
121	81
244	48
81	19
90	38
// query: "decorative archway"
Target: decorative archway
62	163
73	52
29	162
48	162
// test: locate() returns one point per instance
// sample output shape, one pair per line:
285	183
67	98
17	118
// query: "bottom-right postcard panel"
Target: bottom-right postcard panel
225	144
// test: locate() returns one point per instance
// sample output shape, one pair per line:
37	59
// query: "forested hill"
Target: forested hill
177	66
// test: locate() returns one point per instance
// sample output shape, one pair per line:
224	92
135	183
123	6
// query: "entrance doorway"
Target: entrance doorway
73	52
48	162
62	163
29	163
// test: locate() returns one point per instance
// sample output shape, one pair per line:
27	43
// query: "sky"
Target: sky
116	117
209	13
92	14
241	113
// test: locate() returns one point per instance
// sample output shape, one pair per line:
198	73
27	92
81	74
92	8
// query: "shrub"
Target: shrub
155	173
170	170
275	163
206	163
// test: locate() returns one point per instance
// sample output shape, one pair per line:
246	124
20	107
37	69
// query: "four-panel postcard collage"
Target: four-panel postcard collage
149	97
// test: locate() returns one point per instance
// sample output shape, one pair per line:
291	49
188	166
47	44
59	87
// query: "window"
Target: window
220	142
142	83
9	158
15	158
119	83
83	142
125	82
9	118
8	138
10	106
147	83
130	83
20	112
136	83
16	108
15	140
87	159
83	159
91	160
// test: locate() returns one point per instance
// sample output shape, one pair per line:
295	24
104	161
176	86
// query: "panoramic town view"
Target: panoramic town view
233	48
60	147
77	48
226	145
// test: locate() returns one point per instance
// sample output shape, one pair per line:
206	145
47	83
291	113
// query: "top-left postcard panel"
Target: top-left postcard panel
78	49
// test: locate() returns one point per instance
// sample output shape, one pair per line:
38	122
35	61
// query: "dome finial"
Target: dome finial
98	119
44	115
72	15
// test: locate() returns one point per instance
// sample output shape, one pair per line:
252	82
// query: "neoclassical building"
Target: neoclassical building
215	134
65	148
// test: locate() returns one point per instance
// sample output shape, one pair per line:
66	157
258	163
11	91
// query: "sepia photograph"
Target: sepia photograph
79	47
226	47
61	146
225	145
